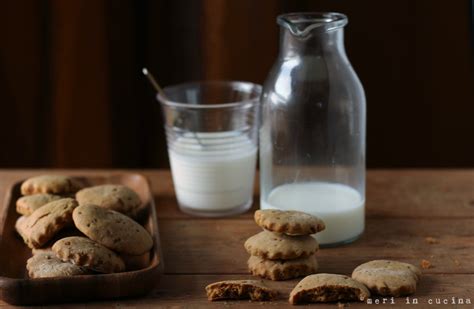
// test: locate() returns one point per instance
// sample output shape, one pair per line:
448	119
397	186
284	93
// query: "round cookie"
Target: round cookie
388	278
45	265
43	224
26	205
328	288
282	269
116	197
273	246
289	222
85	252
112	229
54	184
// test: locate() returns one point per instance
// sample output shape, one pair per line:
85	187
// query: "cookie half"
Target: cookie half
45	264
328	288
275	246
112	229
115	197
388	278
282	269
53	184
240	289
290	222
26	205
43	224
85	252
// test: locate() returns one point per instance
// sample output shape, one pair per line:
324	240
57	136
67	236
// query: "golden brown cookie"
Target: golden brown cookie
54	184
85	252
275	246
240	289
112	229
27	204
388	278
45	222
46	264
116	197
282	269
328	288
289	222
20	227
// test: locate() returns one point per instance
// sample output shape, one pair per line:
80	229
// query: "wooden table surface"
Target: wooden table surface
403	208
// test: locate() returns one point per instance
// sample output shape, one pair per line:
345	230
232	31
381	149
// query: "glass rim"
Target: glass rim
326	21
251	101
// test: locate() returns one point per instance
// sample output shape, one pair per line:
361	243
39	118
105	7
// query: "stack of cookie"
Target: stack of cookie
284	249
94	233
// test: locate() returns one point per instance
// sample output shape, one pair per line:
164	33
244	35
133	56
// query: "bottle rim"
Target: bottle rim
302	23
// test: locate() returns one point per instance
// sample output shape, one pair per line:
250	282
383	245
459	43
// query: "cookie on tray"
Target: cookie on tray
289	222
282	269
85	252
45	222
115	197
45	264
112	229
388	278
274	246
53	184
328	288
26	205
240	289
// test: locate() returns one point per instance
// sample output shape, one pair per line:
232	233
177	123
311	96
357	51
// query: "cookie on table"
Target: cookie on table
388	278
240	289
115	197
27	204
282	269
45	222
328	288
45	264
112	229
84	252
53	184
274	246
289	222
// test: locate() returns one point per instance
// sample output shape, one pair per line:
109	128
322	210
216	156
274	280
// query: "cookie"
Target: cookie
274	246
43	224
328	288
27	204
54	184
116	197
240	289
282	269
112	229
388	278
85	252
20	227
46	264
135	262
288	222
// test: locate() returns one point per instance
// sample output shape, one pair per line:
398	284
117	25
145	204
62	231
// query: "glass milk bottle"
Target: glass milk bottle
312	137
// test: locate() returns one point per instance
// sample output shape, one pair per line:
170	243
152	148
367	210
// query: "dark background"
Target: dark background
72	95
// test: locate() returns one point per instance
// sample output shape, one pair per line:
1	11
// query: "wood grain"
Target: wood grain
403	208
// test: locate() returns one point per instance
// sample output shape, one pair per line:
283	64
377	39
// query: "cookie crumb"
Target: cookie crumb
425	264
431	240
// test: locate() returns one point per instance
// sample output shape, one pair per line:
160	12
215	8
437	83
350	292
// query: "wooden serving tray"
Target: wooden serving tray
16	288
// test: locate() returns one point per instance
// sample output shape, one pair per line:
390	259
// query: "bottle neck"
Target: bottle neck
316	43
